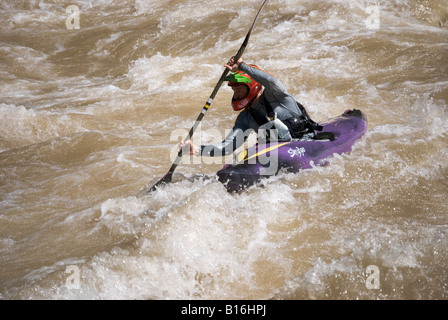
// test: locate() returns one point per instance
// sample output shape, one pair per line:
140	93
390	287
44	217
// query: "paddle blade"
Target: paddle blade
165	180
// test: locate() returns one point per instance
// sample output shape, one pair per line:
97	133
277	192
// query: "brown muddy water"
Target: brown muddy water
94	98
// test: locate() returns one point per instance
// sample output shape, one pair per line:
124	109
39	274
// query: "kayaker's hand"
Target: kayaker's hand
189	147
232	66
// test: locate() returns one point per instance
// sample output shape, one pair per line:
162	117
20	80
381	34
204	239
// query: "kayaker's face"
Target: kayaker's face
240	92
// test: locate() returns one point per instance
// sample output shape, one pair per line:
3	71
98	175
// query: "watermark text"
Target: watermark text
73	280
72	21
373	277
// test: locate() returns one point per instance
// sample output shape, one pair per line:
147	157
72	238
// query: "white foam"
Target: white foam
192	239
156	73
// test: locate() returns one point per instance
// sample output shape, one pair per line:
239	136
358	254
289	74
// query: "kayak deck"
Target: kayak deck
263	161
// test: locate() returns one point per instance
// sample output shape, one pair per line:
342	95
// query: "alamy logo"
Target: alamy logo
73	280
72	21
373	277
373	21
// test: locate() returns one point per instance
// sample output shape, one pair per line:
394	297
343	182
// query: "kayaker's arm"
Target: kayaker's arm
271	84
275	93
233	140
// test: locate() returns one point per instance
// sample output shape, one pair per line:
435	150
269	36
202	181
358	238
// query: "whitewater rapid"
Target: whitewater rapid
93	101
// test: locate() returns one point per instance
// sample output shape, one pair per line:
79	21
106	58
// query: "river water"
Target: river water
94	96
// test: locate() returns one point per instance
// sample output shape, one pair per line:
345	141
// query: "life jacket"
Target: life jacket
299	126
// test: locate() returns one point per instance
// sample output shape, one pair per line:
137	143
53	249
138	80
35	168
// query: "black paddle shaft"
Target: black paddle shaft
168	177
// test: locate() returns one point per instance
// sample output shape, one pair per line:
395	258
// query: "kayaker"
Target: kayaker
271	108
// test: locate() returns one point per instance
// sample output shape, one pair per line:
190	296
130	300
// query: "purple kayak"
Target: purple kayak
263	161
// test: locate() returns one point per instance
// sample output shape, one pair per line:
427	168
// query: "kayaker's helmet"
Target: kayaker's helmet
242	78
